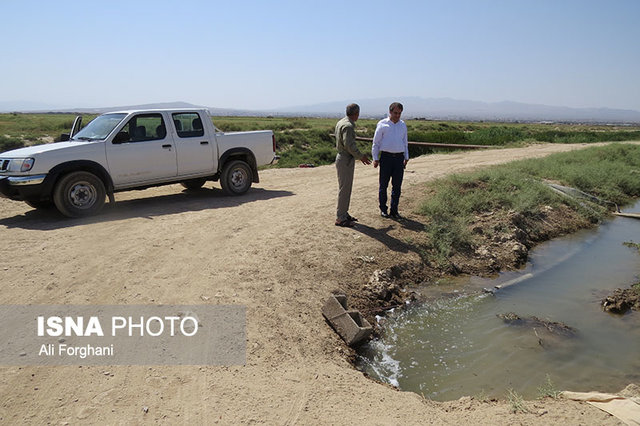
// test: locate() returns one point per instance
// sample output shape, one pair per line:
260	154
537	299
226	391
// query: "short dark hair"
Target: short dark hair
353	109
396	105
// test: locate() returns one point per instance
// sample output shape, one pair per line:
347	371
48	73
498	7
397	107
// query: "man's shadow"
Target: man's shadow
392	243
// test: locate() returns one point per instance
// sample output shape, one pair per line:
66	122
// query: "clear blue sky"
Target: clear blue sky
268	54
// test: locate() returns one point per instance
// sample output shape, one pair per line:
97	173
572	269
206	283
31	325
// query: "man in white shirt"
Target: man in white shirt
390	150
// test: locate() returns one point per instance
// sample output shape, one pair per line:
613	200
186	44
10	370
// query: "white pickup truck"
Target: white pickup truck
126	150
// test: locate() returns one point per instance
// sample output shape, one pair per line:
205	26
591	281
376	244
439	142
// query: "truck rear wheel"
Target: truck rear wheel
79	194
236	177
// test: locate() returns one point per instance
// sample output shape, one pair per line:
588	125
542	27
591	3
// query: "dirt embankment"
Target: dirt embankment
274	250
503	240
622	300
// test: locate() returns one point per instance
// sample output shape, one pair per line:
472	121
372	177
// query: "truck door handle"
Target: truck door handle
204	143
166	146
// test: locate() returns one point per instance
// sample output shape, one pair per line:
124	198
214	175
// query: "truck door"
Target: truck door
194	149
142	151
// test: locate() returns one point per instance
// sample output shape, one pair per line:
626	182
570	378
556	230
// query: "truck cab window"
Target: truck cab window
144	127
188	124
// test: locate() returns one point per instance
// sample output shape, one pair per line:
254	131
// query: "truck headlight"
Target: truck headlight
27	164
22	164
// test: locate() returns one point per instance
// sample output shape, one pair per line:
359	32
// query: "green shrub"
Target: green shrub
306	146
448	137
496	135
516	402
563	136
549	390
7	143
300	139
611	173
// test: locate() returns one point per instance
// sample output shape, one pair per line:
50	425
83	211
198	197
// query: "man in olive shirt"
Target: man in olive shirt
345	162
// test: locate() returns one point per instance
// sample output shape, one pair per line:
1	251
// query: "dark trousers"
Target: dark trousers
391	168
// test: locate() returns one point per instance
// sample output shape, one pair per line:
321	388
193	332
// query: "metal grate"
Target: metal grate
4	165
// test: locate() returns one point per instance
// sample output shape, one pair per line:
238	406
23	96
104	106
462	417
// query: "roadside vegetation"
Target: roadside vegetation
464	211
549	389
516	402
308	140
305	140
18	130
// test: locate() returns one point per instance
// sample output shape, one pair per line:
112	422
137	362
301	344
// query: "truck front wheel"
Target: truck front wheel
79	194
236	177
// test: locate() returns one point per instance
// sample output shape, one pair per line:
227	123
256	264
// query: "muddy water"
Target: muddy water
457	345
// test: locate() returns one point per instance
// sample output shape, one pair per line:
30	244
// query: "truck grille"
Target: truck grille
4	165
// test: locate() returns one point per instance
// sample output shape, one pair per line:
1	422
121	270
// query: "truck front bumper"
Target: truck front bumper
21	187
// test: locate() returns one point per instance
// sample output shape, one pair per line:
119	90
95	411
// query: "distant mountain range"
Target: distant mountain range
454	109
38	108
414	107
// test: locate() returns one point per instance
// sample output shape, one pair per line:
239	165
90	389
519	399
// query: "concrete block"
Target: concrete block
349	324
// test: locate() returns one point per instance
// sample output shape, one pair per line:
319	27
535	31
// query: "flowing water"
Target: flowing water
457	345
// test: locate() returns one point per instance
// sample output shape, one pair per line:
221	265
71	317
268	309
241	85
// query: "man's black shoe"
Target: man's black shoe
396	216
351	218
384	214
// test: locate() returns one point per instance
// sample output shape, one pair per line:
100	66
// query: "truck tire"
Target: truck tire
193	183
236	177
79	194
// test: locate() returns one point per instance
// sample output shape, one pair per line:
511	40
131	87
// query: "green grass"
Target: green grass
610	173
18	130
548	389
516	402
9	142
302	140
302	147
277	124
35	126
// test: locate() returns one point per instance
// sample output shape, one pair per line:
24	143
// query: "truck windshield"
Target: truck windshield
100	127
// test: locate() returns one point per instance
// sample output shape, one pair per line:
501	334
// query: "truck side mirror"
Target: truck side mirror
121	137
75	128
64	137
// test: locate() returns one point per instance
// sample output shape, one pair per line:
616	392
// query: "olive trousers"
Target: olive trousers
345	165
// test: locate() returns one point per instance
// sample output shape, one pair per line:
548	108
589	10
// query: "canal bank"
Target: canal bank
459	342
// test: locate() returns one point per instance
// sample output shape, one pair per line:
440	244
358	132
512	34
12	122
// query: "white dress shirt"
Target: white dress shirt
390	137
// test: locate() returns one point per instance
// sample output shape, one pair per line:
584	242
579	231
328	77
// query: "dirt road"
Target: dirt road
274	250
